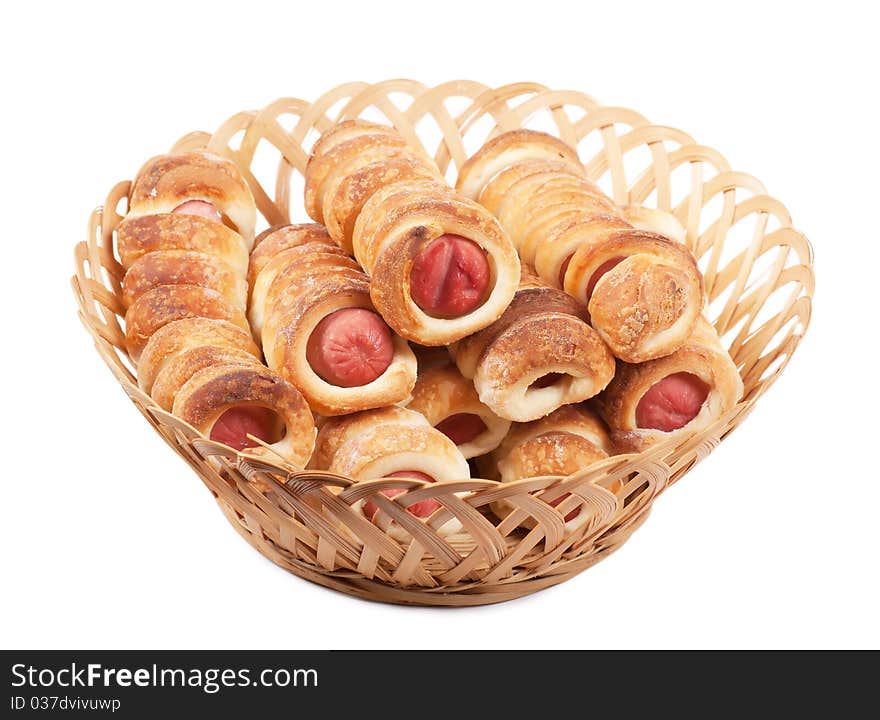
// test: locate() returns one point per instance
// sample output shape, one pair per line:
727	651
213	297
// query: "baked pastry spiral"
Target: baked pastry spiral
176	351
564	442
185	288
208	373
137	237
164	304
540	354
512	148
680	393
228	401
311	310
184	244
449	402
196	183
643	290
350	162
390	442
441	267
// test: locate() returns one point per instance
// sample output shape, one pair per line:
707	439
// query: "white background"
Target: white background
772	542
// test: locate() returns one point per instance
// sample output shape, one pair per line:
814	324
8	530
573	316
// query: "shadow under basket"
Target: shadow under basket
759	282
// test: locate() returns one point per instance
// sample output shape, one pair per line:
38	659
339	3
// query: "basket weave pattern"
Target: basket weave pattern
759	281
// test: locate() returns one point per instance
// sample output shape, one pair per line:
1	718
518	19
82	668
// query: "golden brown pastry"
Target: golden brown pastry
137	237
680	393
350	162
181	260
273	241
308	244
179	349
195	183
449	402
340	144
208	373
386	443
441	267
228	402
311	309
184	267
564	442
643	290
164	304
509	149
540	354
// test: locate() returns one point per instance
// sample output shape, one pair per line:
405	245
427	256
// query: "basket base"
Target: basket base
471	594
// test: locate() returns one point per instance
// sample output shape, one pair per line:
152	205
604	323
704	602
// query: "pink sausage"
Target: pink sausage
234	425
449	277
350	347
462	427
201	208
422	509
672	402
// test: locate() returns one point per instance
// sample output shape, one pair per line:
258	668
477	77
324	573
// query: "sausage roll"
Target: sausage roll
643	290
440	265
195	183
449	402
229	402
349	163
508	149
540	354
179	349
679	393
181	260
341	143
208	373
390	442
184	267
311	309
185	289
272	253
564	442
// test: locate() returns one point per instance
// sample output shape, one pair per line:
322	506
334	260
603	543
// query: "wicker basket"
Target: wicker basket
759	280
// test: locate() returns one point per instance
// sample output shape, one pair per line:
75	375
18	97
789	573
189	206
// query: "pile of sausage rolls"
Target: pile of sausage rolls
520	324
